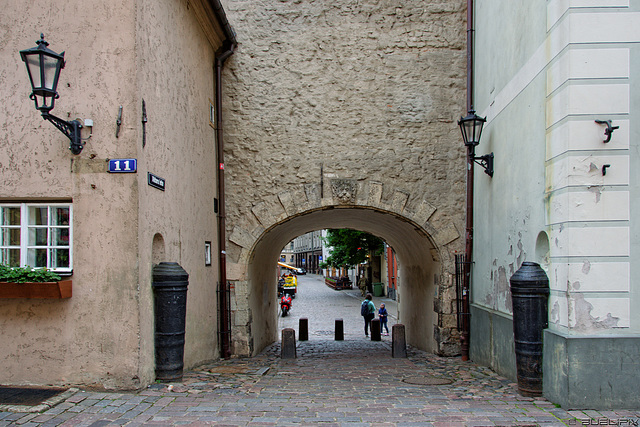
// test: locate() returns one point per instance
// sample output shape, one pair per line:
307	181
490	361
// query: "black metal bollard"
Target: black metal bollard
288	344
529	295
339	330
398	341
170	283
375	330
303	327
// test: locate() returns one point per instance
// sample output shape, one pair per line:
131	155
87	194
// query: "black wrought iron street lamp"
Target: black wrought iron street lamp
43	66
471	127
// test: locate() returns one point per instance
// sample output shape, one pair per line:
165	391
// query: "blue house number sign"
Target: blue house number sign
123	165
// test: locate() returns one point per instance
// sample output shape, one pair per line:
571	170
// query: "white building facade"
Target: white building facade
561	196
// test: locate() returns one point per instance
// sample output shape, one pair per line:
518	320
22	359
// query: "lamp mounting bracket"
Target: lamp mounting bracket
486	162
70	129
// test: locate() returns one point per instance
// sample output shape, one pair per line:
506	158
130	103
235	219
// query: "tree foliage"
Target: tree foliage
351	247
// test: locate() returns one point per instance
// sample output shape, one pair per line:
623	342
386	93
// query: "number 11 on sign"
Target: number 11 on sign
123	165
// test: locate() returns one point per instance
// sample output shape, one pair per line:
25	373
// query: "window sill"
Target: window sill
45	290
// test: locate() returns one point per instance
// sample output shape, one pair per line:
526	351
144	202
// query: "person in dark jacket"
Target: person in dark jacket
369	312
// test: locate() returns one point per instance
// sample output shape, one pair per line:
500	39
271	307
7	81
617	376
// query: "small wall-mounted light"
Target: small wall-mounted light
471	128
609	130
43	66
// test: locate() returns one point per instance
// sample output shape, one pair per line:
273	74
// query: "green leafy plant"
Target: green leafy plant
26	274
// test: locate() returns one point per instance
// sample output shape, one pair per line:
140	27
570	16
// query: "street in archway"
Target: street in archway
322	305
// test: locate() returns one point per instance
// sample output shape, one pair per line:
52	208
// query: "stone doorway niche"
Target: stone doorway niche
420	270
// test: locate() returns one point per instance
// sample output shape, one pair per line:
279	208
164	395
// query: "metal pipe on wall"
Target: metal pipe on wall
225	51
466	324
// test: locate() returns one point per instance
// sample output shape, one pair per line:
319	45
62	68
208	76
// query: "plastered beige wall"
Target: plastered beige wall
117	53
176	81
92	338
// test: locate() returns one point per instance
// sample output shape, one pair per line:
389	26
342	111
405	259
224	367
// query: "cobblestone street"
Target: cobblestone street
353	382
323	305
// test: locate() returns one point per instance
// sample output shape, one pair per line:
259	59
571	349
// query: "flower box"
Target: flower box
48	290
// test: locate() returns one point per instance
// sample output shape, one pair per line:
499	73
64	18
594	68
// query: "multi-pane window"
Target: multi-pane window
36	235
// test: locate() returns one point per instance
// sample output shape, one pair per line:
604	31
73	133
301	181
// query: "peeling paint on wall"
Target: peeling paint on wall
521	254
503	291
597	190
580	312
555	313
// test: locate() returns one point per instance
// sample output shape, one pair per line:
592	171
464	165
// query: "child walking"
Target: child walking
382	314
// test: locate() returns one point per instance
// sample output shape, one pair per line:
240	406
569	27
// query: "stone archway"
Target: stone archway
423	244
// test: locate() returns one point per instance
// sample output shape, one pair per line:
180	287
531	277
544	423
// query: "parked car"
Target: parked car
301	271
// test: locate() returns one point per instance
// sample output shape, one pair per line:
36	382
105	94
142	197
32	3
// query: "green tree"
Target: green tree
351	247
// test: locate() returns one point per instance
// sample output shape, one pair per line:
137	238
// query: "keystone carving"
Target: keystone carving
344	191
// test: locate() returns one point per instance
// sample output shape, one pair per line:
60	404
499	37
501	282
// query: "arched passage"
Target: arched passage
419	261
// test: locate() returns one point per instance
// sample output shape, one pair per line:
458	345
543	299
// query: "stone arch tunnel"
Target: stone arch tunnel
345	115
425	276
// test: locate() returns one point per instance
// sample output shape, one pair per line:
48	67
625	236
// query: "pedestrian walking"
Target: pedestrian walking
382	314
362	285
367	310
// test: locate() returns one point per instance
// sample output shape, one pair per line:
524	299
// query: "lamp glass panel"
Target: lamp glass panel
50	66
469	132
477	130
33	66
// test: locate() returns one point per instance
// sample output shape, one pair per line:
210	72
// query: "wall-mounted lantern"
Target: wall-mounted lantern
43	66
471	127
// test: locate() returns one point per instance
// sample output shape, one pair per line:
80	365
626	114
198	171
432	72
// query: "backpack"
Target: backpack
364	308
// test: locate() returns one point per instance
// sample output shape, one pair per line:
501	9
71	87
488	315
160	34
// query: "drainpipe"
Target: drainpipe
225	51
464	338
470	55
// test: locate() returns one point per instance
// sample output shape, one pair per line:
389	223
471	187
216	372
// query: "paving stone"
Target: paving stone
350	383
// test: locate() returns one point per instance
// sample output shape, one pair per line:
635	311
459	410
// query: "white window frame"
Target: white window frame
25	227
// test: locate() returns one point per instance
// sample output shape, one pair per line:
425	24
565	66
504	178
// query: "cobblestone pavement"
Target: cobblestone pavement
354	382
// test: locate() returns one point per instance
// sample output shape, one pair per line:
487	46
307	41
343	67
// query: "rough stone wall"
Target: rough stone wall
366	91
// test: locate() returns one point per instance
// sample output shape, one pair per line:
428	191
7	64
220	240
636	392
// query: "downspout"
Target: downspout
468	259
470	31
225	51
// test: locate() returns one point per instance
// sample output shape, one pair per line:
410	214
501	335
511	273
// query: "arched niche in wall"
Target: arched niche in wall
157	249
543	250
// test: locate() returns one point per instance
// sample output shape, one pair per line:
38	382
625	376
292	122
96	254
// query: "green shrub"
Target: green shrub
26	274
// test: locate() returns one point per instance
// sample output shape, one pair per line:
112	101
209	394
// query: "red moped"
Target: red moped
285	304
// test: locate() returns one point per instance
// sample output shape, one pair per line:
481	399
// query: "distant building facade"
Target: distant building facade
307	251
